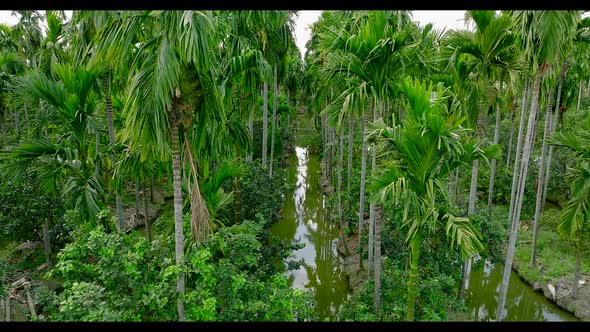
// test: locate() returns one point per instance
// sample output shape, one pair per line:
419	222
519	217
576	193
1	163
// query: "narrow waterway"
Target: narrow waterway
523	303
304	221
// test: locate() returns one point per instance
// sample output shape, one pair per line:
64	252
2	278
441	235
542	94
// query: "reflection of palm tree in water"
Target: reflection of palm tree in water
304	221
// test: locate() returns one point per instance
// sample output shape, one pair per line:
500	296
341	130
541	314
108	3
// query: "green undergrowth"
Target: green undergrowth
555	254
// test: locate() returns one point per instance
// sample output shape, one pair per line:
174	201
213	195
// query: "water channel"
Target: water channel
304	220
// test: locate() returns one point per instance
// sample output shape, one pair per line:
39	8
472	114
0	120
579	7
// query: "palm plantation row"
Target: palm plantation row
111	102
426	129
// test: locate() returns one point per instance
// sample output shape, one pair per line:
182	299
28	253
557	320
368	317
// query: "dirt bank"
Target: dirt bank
559	291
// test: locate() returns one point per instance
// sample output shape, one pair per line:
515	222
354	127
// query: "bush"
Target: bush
260	194
114	277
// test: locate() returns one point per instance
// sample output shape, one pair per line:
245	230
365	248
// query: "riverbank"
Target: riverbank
553	274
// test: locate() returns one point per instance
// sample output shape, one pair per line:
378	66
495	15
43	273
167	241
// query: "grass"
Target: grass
555	254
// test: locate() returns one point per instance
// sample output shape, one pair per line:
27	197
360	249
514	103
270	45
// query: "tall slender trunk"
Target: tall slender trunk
377	274
350	146
541	176
97	148
494	161
370	245
526	151
237	200
47	250
340	152
178	227
47	244
137	200
578	269
413	278
579	97
111	128
554	121
274	121
471	211
264	122
148	222
517	156
249	157
475	167
362	193
510	141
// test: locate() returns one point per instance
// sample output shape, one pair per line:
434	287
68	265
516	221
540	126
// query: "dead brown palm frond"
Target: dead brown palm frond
199	214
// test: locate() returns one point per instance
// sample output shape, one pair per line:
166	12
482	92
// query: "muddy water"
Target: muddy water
523	303
304	221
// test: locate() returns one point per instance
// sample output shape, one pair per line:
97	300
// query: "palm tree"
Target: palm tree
576	215
491	51
419	153
375	48
64	161
172	84
542	34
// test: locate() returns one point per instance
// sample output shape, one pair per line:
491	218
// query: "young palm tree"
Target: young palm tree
576	215
419	153
63	159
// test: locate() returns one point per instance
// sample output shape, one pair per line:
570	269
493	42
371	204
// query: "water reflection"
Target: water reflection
304	220
522	302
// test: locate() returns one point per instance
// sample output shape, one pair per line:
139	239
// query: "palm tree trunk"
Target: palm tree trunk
340	152
515	170
578	269
137	200
264	122
377	274
471	211
526	151
475	167
541	177
372	216
111	127
251	131
274	121
178	227
510	141
350	146
554	121
362	193
494	162
237	200
47	247
370	246
148	222
97	148
413	279
579	97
